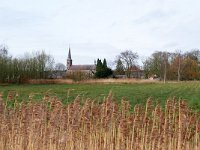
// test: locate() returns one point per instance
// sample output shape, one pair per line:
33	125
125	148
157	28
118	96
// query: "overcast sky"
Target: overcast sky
99	28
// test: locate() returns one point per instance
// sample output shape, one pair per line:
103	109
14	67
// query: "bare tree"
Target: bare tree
179	65
165	61
3	50
4	63
60	67
128	59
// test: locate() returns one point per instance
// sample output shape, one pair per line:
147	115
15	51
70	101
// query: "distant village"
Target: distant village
161	65
89	70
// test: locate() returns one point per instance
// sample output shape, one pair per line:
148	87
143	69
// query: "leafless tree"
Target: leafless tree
60	67
129	59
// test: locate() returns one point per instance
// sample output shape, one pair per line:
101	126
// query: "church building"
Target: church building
89	70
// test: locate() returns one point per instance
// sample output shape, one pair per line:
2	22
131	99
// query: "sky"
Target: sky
99	28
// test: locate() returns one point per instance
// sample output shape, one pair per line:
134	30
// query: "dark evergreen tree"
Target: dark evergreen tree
102	71
104	63
119	68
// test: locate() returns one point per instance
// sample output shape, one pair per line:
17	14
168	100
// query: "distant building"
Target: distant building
85	69
136	72
57	74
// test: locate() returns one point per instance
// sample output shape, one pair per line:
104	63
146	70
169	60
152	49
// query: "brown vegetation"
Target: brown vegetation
91	81
89	125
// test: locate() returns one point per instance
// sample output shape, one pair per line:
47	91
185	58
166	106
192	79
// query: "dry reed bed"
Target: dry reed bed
88	125
91	81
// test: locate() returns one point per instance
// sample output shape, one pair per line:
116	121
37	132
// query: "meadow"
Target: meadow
135	92
139	116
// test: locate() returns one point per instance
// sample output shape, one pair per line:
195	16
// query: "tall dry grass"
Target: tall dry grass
88	125
90	81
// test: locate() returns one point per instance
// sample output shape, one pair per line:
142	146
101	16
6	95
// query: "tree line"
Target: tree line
162	65
31	66
173	65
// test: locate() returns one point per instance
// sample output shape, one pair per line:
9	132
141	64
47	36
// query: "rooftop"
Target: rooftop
82	67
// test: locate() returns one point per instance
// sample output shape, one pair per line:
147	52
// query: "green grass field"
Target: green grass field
135	93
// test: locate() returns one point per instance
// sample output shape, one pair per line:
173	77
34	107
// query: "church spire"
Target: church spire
69	59
69	54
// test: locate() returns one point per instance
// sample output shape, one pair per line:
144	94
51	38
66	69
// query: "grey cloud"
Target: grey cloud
155	15
15	18
171	45
101	28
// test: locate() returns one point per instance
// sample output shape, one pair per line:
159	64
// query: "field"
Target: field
122	116
135	93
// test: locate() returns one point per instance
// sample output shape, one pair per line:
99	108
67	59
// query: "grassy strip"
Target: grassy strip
135	93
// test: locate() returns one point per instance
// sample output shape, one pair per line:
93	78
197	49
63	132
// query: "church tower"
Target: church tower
69	60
